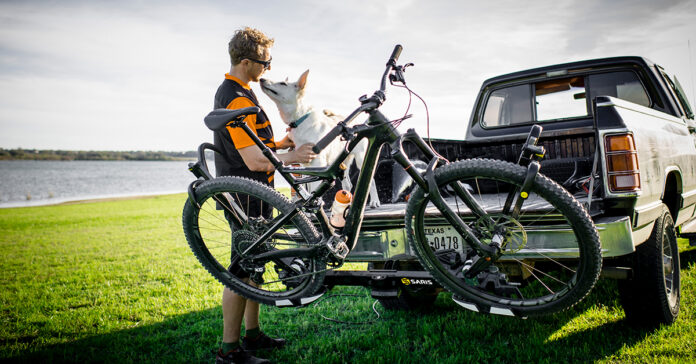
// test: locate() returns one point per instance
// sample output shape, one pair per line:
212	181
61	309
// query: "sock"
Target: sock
253	333
227	347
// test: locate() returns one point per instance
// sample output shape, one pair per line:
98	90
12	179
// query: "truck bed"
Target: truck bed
392	215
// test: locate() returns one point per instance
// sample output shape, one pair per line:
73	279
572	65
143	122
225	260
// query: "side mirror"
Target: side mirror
691	125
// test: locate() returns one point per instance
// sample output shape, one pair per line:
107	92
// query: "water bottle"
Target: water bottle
340	208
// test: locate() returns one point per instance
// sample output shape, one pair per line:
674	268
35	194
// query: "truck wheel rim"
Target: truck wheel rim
668	269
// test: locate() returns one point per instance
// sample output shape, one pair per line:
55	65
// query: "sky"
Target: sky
141	75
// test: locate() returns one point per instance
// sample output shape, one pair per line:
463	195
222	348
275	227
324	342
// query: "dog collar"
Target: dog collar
299	121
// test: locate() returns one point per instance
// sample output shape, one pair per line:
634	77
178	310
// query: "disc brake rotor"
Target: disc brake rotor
514	235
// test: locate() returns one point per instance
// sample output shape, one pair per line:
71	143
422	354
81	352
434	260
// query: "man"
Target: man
250	58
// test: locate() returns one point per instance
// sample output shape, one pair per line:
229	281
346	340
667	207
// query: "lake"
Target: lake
32	183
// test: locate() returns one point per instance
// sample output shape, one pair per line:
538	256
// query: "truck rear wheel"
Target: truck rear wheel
652	296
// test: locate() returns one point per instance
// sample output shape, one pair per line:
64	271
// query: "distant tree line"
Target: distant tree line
70	155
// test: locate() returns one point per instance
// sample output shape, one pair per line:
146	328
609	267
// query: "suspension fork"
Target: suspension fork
529	157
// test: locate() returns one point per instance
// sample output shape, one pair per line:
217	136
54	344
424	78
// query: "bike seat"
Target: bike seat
218	118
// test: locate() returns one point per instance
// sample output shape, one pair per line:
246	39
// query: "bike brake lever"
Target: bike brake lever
398	75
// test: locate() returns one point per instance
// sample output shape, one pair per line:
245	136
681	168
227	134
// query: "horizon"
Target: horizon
132	76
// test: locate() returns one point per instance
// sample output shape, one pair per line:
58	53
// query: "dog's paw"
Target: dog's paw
375	204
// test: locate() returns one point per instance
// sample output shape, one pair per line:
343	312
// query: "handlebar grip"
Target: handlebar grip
534	134
327	139
395	54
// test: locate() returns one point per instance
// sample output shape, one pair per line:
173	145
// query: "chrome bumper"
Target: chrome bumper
615	236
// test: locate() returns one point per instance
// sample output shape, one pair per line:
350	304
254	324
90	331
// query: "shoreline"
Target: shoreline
81	200
91	199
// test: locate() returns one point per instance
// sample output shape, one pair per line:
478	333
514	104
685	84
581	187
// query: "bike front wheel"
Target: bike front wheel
550	252
224	227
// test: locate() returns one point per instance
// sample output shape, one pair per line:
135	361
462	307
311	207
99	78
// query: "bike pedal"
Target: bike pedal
493	310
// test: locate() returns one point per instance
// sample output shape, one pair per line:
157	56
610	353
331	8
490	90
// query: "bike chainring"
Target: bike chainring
293	274
514	235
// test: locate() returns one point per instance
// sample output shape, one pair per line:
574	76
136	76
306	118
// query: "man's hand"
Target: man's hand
304	153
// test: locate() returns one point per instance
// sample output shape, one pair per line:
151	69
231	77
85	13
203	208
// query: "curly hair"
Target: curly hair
248	43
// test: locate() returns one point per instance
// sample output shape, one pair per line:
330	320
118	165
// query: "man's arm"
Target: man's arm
257	162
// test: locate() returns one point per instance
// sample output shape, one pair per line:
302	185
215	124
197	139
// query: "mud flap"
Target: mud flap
493	310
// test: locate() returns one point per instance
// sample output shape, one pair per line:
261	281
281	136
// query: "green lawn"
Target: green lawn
115	281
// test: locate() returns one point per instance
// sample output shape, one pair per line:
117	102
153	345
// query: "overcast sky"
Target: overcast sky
141	75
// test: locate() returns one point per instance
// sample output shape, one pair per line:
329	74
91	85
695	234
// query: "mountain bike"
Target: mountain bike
269	249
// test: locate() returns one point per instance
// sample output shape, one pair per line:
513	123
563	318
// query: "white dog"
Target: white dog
309	126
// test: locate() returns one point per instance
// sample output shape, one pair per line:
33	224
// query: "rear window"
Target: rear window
559	99
623	85
509	106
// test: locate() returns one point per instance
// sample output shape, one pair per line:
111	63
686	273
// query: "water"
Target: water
31	183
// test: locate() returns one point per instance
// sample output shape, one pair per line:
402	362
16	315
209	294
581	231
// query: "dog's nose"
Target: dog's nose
263	80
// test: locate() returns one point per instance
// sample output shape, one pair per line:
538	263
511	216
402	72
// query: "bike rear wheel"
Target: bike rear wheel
551	255
221	226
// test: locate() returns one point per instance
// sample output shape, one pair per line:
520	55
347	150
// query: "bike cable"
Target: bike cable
374	309
397	122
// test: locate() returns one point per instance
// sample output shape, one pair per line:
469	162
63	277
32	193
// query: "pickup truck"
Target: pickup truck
619	135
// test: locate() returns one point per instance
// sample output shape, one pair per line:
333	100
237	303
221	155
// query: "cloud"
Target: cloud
141	75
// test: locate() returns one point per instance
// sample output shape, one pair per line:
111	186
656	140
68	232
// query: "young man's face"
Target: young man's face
254	69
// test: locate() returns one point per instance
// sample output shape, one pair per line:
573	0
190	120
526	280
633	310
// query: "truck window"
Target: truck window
563	98
681	95
508	106
560	99
624	85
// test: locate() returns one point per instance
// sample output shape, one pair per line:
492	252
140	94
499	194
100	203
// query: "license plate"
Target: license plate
443	238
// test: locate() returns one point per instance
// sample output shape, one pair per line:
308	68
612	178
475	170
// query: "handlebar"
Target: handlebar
328	138
367	104
390	64
395	55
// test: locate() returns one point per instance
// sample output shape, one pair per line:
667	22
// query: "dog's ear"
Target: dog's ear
302	82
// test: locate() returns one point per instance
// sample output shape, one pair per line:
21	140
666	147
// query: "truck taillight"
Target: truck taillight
622	163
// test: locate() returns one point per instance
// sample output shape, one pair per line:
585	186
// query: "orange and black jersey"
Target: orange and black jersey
235	94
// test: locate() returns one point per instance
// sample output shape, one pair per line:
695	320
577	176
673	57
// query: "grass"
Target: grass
115	281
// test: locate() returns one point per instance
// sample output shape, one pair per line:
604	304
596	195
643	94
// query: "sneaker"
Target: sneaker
238	356
262	342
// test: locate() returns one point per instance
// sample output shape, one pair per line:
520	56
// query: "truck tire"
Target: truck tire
652	297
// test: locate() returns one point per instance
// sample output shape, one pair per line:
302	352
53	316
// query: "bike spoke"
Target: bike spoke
537	251
542	283
214	227
540	271
216	216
